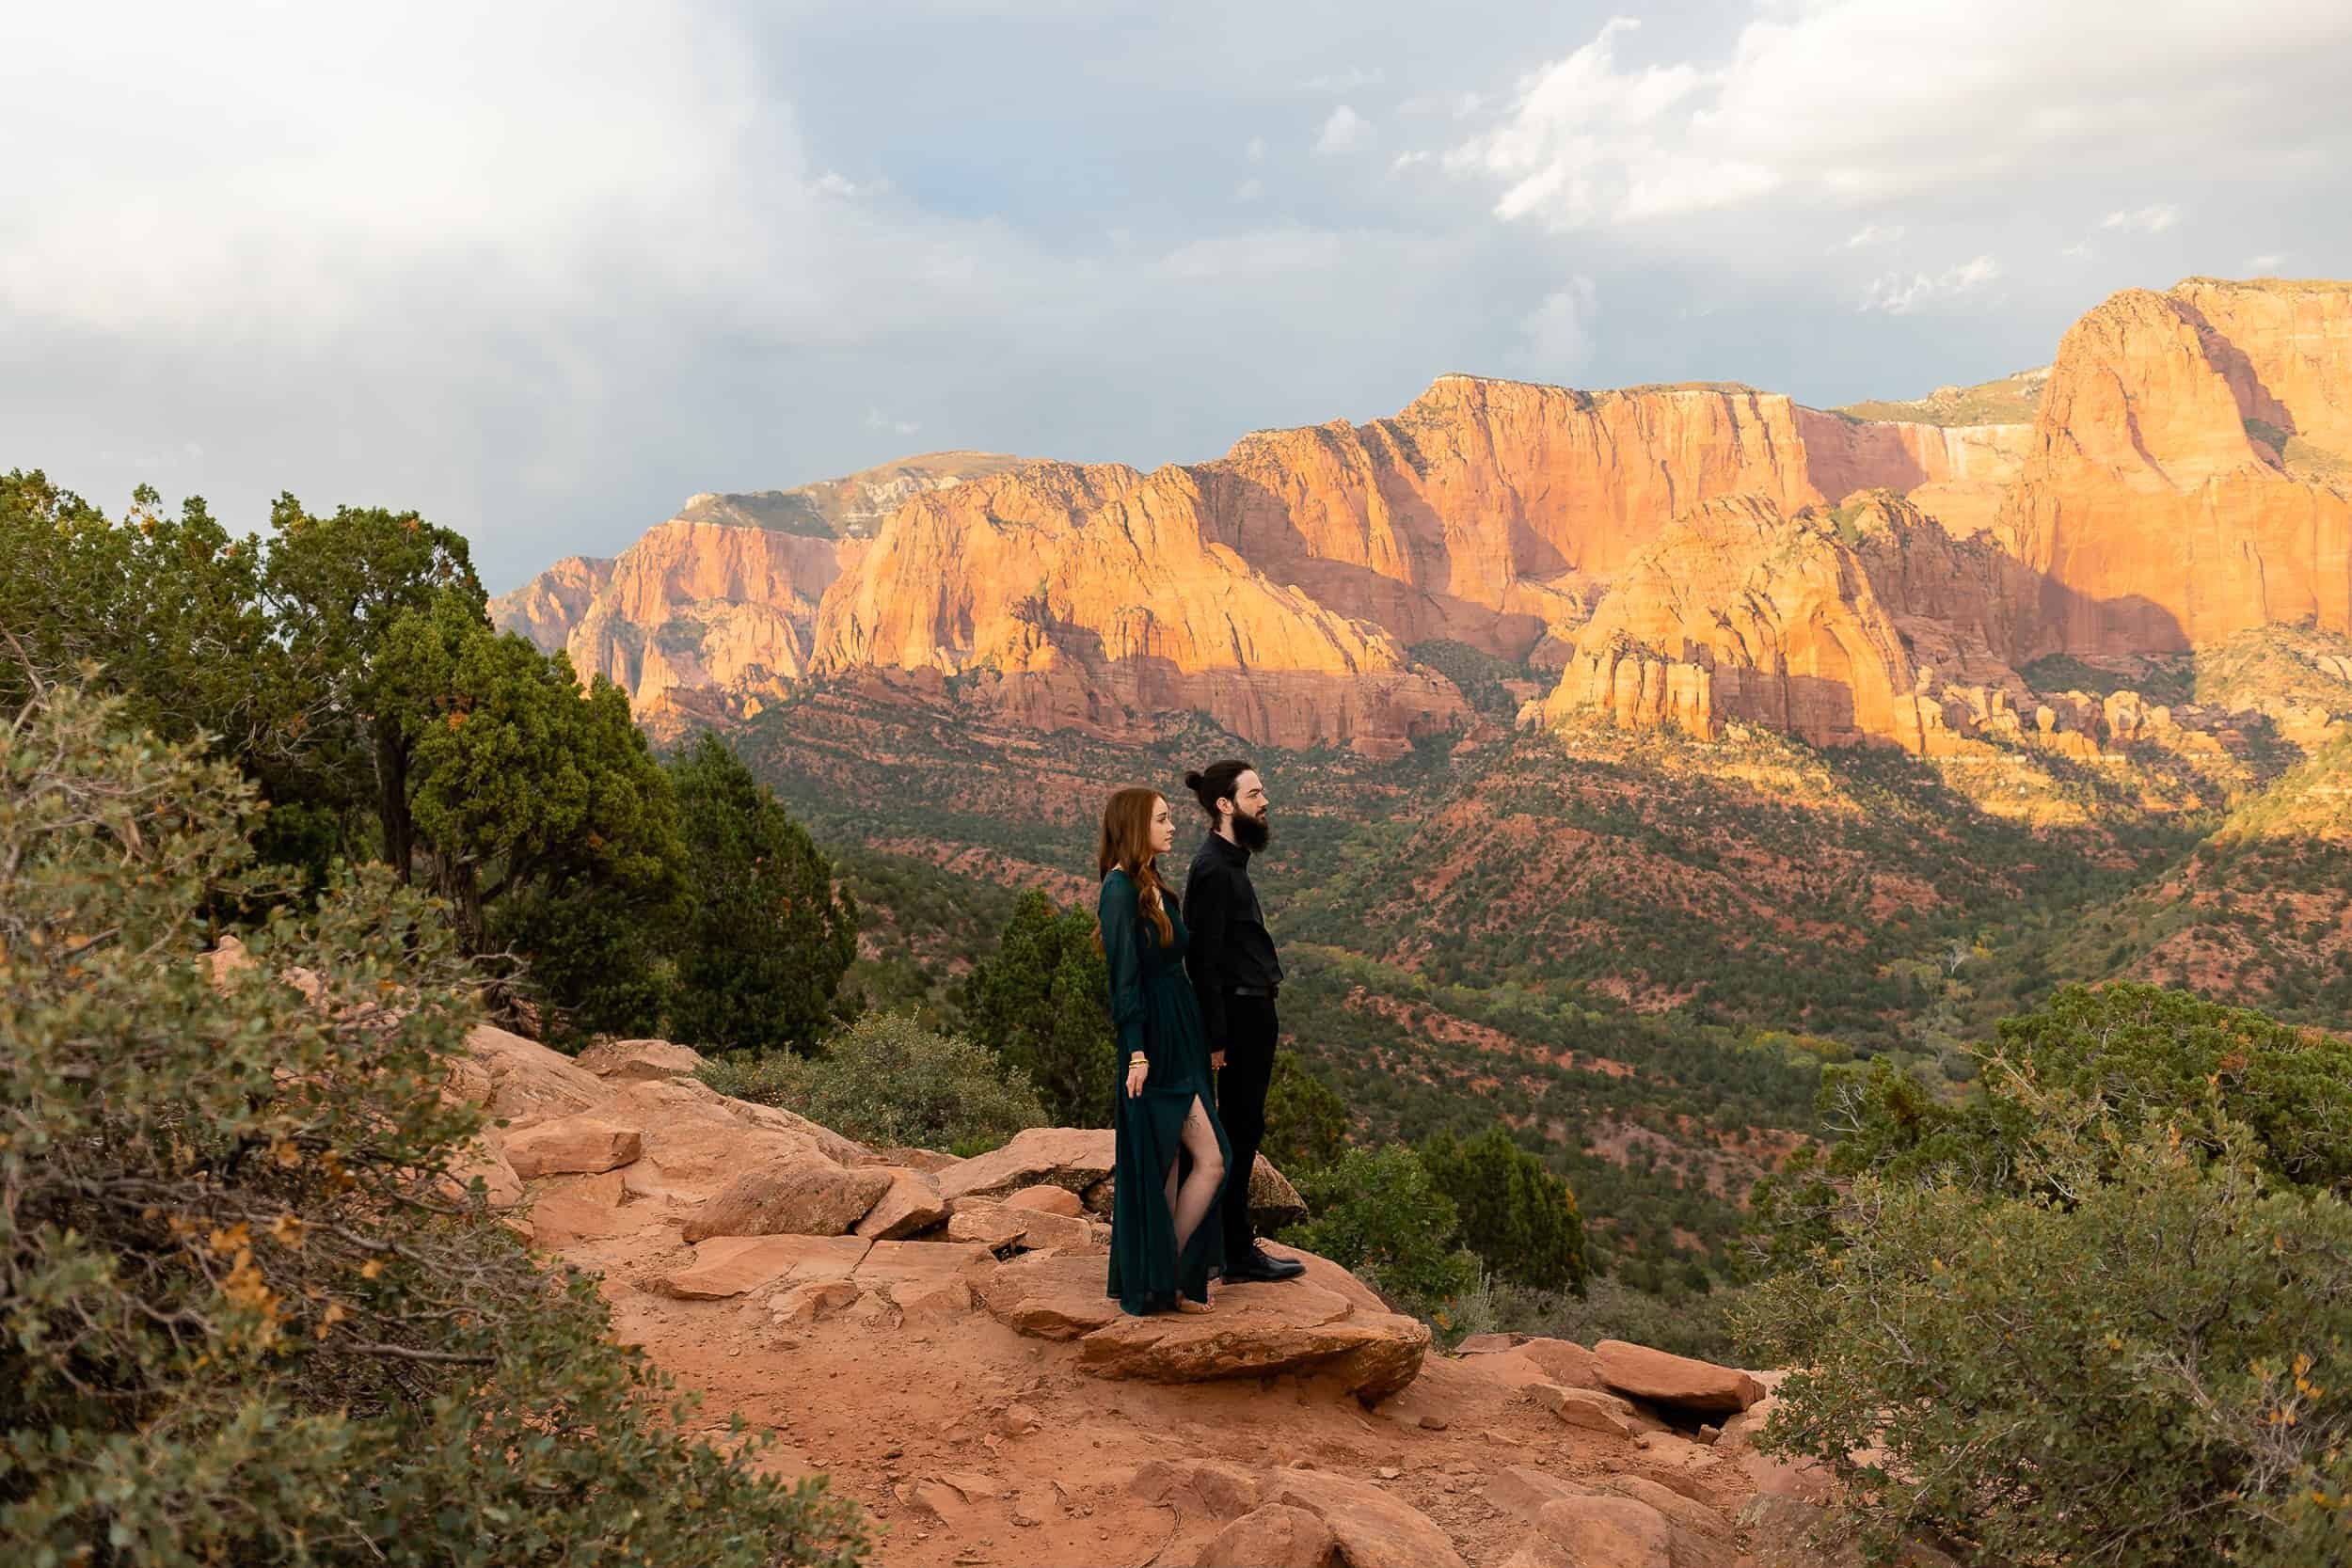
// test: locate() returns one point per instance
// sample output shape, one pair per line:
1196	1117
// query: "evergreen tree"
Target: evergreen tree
1516	1214
1041	1002
768	939
1306	1123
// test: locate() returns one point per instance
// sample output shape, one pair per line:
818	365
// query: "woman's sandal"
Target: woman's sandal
1185	1304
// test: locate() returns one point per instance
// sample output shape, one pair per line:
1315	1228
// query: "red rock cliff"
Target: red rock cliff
2186	478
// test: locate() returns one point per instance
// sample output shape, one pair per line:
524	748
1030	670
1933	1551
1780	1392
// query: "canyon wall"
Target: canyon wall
1726	551
2186	475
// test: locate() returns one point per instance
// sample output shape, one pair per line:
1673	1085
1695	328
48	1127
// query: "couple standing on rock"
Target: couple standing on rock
1192	1000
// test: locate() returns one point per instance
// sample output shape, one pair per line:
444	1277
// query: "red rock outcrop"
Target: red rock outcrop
2188	471
1837	625
1959	475
546	608
1091	597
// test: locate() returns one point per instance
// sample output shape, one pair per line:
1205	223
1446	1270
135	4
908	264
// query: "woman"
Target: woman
1171	1154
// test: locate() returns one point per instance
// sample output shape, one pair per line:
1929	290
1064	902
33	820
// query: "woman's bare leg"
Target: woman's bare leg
1200	1189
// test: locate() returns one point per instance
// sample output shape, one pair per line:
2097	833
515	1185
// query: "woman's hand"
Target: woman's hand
1137	1073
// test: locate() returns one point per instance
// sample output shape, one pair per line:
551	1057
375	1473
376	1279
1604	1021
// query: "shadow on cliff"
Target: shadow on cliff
1409	611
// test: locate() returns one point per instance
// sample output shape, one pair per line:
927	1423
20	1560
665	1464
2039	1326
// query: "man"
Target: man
1236	976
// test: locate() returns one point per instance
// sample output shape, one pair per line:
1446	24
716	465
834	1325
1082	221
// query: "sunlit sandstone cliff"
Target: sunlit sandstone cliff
1090	596
2182	479
2188	471
1837	625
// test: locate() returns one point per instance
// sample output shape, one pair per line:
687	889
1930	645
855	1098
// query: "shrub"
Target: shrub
249	1317
2133	1351
1516	1214
887	1081
1376	1213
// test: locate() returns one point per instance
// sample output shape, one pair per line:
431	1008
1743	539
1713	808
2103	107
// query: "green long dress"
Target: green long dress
1153	1011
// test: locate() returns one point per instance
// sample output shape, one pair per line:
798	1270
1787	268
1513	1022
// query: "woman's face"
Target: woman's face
1163	828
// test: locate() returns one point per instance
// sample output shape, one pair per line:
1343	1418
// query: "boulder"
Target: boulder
805	1196
583	1210
1048	1200
633	1060
730	1266
1563	1361
571	1146
690	1157
485	1158
1225	1491
1523	1490
1071	1157
1588	1409
1676	1380
806	1304
930	1161
1686	1512
1489	1344
1259	1330
1599	1532
1371	1528
1049	1297
1273	1203
990	1224
910	1206
1276	1536
523	1078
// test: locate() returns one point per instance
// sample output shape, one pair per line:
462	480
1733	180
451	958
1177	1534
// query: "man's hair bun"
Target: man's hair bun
1192	780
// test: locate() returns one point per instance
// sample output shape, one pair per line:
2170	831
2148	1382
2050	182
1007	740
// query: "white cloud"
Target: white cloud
1255	152
1556	337
1833	103
1872	235
1899	296
1345	81
2147	220
1407	160
2079	250
876	419
1248	190
1345	132
2266	262
833	184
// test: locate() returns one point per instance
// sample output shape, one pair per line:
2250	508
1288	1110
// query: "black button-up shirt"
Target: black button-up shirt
1231	947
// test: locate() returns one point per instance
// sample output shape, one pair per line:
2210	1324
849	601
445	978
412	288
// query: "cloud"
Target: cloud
1255	152
876	419
1833	103
1899	296
2147	220
1407	160
1556	337
2266	262
1345	132
835	185
1248	190
1345	81
1872	235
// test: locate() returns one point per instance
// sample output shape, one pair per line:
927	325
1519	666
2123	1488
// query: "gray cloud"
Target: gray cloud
542	271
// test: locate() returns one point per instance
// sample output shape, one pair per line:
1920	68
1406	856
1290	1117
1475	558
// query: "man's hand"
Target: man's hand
1216	1061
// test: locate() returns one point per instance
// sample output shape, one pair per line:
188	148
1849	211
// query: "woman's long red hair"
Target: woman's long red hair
1127	847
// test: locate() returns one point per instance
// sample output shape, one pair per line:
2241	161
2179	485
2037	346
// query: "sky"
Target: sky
542	271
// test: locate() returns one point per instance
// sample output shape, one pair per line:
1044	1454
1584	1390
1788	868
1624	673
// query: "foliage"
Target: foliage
249	1314
2132	1350
1040	1002
764	951
520	784
1516	1214
889	1082
1376	1213
1306	1123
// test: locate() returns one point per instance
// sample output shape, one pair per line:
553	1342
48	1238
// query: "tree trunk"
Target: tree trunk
391	800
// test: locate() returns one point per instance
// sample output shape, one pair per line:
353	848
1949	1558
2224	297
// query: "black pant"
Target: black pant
1250	1031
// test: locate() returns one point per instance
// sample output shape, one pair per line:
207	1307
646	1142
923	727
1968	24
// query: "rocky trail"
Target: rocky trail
932	1335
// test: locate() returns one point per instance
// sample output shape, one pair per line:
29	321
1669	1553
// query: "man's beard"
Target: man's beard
1250	833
